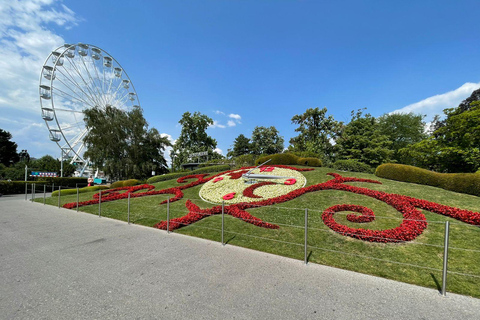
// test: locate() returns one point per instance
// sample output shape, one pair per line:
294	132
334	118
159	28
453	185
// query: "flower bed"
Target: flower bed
413	223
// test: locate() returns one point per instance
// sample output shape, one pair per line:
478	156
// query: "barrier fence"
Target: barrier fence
303	225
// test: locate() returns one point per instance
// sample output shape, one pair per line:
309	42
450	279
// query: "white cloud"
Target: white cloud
435	105
218	150
219	112
231	123
235	116
25	42
216	124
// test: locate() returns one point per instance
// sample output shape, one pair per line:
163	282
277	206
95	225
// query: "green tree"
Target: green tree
402	129
49	164
362	140
241	146
454	147
8	149
193	138
120	143
266	141
316	132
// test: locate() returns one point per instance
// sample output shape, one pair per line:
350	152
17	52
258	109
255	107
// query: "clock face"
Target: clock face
232	188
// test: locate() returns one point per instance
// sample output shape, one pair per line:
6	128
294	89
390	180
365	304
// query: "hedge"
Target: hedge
352	165
64	182
468	183
125	183
80	190
289	159
176	175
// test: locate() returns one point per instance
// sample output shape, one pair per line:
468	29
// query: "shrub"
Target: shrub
309	161
80	190
176	175
468	183
64	182
352	165
245	160
289	159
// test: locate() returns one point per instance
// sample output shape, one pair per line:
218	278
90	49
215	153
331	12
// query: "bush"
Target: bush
176	175
80	190
124	183
13	187
64	182
289	159
468	183
246	160
309	161
352	165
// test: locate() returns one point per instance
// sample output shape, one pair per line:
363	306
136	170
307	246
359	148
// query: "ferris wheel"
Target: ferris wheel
75	78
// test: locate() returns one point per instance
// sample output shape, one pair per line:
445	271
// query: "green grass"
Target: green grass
417	262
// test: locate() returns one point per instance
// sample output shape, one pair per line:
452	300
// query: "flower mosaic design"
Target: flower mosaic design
412	225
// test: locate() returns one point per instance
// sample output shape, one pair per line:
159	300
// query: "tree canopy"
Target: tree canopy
362	140
193	138
241	146
316	132
402	129
266	141
120	143
8	149
454	147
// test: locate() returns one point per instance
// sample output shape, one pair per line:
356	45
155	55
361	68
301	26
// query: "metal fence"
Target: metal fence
305	225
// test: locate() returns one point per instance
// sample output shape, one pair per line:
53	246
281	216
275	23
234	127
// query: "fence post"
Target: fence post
33	191
78	196
44	192
168	214
53	187
100	204
128	208
445	259
59	194
306	236
26	190
223	222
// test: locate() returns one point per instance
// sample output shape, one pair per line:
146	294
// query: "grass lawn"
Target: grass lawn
418	262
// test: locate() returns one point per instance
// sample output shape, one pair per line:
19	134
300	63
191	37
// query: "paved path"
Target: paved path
59	264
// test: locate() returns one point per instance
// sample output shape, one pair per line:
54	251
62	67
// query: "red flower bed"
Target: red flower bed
248	192
413	224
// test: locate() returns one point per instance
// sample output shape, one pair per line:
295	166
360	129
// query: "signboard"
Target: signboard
43	174
199	154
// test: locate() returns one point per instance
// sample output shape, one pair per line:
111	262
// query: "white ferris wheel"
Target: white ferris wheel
75	78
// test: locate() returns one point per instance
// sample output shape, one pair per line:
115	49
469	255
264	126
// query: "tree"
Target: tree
8	149
120	143
193	138
362	140
241	146
49	164
266	141
317	131
454	147
402	129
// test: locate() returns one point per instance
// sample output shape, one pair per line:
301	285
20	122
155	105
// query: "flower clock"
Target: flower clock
287	183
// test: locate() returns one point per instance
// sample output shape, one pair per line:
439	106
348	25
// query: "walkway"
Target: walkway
58	264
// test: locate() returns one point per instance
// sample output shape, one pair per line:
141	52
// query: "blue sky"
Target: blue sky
248	63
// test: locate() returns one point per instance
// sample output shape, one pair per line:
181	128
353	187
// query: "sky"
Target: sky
247	63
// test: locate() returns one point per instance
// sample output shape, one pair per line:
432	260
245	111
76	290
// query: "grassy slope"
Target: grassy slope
325	246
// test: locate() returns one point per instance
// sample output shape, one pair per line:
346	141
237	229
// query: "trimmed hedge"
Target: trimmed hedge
64	182
14	187
289	159
352	165
124	183
80	190
176	175
468	183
